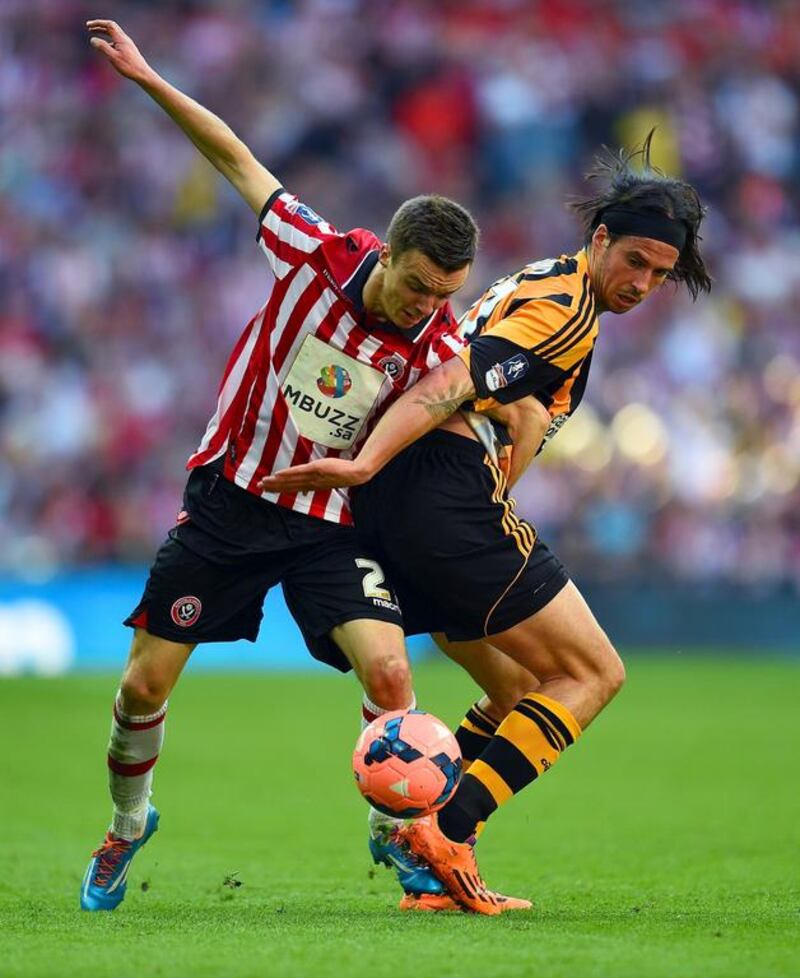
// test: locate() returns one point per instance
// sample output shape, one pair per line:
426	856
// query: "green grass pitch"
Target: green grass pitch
664	844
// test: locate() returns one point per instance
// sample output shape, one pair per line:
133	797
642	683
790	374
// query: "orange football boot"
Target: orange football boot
437	902
454	863
429	902
512	903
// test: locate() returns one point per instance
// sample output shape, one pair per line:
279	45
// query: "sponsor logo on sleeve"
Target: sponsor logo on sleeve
304	212
507	372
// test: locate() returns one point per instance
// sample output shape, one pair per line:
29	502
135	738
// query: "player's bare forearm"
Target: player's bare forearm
418	411
441	393
215	140
421	409
526	421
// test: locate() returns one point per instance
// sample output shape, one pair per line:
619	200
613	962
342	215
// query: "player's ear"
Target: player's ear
385	255
601	237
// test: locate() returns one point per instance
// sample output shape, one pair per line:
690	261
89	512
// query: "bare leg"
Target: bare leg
376	650
153	667
578	672
570	653
502	679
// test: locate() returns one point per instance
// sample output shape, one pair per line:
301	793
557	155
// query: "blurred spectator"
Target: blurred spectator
127	267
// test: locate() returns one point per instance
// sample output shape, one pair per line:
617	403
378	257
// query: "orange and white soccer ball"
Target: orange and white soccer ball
407	763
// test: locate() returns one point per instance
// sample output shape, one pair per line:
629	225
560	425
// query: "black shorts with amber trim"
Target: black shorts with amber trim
440	520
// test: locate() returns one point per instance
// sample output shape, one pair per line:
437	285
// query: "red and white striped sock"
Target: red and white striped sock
132	752
370	711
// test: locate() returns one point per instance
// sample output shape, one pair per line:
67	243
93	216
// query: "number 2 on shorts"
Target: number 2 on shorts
373	579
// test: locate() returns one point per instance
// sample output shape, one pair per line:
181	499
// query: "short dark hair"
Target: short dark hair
441	229
632	180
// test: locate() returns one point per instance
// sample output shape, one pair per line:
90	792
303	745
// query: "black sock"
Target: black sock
472	803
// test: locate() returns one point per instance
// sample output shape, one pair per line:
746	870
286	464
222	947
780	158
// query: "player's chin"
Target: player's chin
406	318
623	303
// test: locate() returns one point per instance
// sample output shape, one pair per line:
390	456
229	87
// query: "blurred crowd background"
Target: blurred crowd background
128	267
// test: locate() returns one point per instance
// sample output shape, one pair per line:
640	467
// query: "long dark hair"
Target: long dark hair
632	180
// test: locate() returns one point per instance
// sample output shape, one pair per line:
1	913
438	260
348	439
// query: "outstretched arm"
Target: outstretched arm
418	411
215	140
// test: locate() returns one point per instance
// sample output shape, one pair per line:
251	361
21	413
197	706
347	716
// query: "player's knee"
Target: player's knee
387	682
142	692
597	667
611	675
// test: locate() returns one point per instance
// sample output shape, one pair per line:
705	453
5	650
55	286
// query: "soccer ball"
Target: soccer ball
407	763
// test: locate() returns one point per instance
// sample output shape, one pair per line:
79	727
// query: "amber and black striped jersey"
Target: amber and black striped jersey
533	333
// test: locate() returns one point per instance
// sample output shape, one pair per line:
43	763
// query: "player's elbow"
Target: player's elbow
527	418
251	179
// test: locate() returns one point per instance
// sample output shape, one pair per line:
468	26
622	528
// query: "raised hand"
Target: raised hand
119	49
325	473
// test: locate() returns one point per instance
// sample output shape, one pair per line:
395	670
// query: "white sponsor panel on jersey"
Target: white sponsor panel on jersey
330	395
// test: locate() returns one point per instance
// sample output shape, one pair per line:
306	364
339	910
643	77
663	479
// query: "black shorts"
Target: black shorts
462	562
211	575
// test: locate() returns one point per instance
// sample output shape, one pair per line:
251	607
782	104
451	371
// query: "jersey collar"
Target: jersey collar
354	288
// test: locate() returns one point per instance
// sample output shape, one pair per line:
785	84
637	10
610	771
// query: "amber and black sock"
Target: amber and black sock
527	743
473	735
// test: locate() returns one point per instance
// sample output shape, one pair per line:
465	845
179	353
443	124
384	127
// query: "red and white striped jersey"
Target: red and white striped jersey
313	371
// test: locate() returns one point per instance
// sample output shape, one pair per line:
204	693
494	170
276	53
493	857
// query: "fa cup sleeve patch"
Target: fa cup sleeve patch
507	372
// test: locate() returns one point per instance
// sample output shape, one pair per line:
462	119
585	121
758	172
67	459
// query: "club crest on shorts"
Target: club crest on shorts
505	373
334	381
185	611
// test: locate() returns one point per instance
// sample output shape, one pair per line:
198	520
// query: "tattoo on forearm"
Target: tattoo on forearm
440	410
441	406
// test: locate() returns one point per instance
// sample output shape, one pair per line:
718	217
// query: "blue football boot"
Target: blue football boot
106	878
413	874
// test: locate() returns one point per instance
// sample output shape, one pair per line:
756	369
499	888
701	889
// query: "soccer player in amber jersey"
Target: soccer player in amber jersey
351	323
533	337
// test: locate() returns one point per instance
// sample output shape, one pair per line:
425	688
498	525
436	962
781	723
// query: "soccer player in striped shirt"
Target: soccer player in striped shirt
350	324
534	334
